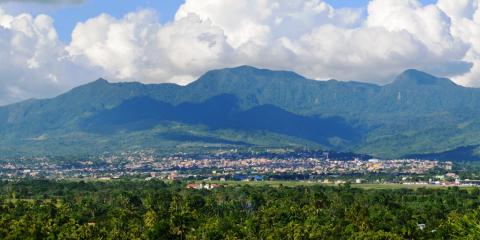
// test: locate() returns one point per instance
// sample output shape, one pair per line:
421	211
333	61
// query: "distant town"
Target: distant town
325	167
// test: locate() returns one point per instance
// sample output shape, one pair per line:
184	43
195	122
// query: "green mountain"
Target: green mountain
415	114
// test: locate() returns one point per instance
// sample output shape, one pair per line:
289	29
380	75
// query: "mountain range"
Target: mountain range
417	114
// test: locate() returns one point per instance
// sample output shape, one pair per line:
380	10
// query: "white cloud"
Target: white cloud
115	45
33	59
262	21
428	24
190	45
465	16
139	48
307	36
321	42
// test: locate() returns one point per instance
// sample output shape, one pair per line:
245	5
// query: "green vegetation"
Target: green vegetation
291	183
156	210
416	114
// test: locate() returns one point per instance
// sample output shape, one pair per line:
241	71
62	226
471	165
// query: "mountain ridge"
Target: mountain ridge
417	113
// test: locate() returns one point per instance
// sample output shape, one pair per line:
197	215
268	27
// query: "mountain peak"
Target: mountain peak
414	77
244	68
247	69
101	81
244	75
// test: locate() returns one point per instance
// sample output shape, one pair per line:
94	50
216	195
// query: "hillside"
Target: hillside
415	114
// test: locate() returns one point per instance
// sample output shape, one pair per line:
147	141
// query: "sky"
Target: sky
68	15
50	46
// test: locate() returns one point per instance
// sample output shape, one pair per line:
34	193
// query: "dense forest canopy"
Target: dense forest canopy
158	210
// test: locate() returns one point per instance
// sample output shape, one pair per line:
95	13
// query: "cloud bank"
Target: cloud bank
35	64
309	37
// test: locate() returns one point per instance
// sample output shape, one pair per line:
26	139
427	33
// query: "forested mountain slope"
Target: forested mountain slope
416	113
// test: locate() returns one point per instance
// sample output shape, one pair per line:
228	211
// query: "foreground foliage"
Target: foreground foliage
157	210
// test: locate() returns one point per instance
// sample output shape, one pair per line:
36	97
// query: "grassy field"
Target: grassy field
306	183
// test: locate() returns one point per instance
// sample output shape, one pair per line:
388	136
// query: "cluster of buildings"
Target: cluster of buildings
153	165
305	165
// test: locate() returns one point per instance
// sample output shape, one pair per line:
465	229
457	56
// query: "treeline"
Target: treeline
158	210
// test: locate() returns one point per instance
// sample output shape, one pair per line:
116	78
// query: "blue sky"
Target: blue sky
66	19
67	16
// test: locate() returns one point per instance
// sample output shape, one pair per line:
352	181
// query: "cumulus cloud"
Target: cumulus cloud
465	17
202	36
308	36
269	19
137	47
321	42
35	63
